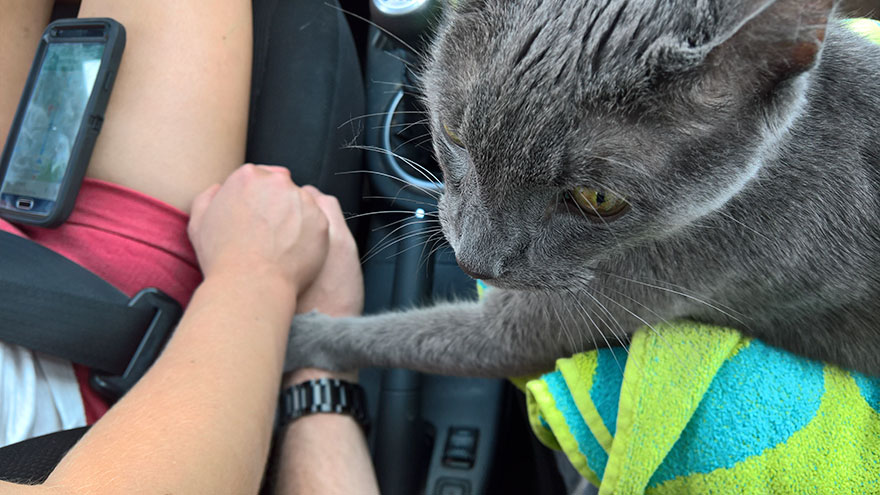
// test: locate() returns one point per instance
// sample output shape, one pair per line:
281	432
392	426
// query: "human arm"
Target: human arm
200	420
327	454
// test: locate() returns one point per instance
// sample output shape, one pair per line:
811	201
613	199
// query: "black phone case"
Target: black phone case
90	127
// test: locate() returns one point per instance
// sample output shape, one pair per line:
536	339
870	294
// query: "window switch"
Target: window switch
452	486
461	448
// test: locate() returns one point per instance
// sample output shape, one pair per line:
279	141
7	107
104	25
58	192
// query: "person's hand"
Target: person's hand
260	224
338	289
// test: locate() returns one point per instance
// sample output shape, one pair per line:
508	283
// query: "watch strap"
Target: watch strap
324	395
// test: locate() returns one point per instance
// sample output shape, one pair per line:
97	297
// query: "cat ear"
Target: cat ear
777	39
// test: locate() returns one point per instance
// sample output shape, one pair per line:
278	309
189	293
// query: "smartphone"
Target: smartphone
58	120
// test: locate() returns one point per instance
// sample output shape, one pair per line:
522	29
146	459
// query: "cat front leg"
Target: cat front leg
508	334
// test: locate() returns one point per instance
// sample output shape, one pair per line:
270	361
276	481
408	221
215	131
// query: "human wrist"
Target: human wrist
305	374
254	275
260	291
325	422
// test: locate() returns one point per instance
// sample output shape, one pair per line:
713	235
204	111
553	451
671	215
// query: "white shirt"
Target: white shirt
39	394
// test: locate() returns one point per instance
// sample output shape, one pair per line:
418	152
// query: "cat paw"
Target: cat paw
308	343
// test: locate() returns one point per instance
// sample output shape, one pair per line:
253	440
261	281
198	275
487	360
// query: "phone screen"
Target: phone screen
52	119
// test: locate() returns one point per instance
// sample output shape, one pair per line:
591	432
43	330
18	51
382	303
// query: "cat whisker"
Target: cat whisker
614	320
396	222
661	318
385	212
406	184
592	334
621	367
421	144
436	237
424	259
626	342
410	125
395	83
693	294
650	327
396	230
427	174
379	247
380	28
395	254
420	136
440	243
407	125
382	244
424	171
585	313
620	293
636	366
394	199
410	236
685	295
408	65
367	116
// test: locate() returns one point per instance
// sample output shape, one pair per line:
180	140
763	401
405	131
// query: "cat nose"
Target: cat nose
473	273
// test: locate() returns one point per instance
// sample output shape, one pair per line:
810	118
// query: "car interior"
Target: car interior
430	434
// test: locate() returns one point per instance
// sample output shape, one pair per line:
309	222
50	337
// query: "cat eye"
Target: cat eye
453	136
598	203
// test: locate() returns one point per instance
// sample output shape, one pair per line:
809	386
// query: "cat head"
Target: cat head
570	131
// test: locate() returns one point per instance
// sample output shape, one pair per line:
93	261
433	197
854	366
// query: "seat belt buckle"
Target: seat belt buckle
167	315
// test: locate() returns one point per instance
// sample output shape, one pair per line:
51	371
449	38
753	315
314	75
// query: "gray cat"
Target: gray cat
613	164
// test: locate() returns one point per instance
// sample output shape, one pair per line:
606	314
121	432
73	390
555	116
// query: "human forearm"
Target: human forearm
324	454
200	421
327	453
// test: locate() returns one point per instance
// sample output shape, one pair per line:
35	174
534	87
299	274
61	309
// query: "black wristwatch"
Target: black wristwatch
325	395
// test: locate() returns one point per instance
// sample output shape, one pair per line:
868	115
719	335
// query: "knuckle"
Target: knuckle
306	198
282	180
323	224
331	201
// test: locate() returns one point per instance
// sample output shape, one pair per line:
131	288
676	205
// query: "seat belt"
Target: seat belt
52	305
30	461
